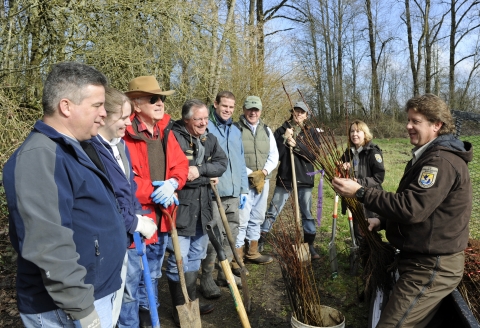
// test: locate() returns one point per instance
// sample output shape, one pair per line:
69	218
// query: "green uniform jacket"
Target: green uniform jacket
430	212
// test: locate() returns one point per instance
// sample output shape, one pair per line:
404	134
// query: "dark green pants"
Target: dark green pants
424	281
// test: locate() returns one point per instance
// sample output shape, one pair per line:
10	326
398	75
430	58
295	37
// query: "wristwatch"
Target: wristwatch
360	194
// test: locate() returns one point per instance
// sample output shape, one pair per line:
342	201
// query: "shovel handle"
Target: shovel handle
352	231
243	270
334	217
140	246
295	191
231	242
235	294
177	251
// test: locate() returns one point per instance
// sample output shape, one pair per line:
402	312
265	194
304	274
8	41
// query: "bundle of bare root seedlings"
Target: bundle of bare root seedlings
286	240
469	287
377	257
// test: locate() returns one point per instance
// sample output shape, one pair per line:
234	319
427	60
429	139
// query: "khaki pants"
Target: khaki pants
424	281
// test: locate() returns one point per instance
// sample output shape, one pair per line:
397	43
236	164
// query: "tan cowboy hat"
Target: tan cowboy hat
145	85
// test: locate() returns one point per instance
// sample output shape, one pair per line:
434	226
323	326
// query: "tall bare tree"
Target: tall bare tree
464	20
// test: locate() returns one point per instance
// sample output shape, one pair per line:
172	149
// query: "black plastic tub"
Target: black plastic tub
453	313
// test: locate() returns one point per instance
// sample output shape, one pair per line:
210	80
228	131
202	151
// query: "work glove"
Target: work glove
289	139
243	200
90	321
164	194
291	142
170	201
257	180
146	226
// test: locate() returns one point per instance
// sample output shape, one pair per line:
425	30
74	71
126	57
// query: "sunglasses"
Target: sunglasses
154	99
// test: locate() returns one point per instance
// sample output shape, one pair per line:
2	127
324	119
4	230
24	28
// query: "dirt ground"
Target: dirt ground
270	306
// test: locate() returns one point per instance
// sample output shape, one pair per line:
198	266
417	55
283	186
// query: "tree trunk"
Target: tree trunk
375	88
413	67
451	61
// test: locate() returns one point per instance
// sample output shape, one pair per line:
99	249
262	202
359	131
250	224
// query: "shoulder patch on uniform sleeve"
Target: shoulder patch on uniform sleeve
427	176
378	157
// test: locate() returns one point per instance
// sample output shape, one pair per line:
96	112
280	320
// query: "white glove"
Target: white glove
90	321
289	139
146	226
288	133
291	142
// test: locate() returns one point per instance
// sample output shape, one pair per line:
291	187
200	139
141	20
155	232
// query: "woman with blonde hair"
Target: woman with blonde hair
364	160
115	158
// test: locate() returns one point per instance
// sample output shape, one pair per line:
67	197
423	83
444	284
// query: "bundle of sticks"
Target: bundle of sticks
298	275
377	257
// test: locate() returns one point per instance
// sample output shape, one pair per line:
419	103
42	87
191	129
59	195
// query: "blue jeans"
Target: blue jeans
193	250
59	319
252	215
135	295
280	197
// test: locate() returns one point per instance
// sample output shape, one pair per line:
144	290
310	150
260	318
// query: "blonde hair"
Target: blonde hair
362	126
114	101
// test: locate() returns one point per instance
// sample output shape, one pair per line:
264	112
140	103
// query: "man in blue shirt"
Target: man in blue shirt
232	186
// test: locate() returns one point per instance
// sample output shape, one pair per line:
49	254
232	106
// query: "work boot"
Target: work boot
191	282
177	299
309	238
208	288
261	241
235	266
253	256
222	280
144	317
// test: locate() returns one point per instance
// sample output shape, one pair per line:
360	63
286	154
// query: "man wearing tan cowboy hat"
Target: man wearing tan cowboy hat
160	167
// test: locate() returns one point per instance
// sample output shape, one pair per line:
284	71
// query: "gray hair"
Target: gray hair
189	106
68	80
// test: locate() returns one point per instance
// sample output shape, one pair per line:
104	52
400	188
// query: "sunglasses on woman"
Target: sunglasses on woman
154	98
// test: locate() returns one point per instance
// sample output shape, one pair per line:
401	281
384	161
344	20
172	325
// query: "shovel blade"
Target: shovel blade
189	315
333	259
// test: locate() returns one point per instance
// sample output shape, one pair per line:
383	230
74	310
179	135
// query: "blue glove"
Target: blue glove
170	201
243	200
164	191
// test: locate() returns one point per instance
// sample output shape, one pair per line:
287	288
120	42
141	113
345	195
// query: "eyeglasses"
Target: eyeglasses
201	119
154	99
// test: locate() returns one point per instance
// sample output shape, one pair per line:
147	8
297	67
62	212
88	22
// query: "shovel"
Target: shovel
354	248
303	252
243	269
214	236
189	313
141	251
332	249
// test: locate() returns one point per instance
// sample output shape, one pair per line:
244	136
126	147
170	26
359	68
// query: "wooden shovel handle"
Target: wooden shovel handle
295	191
236	295
177	251
238	259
